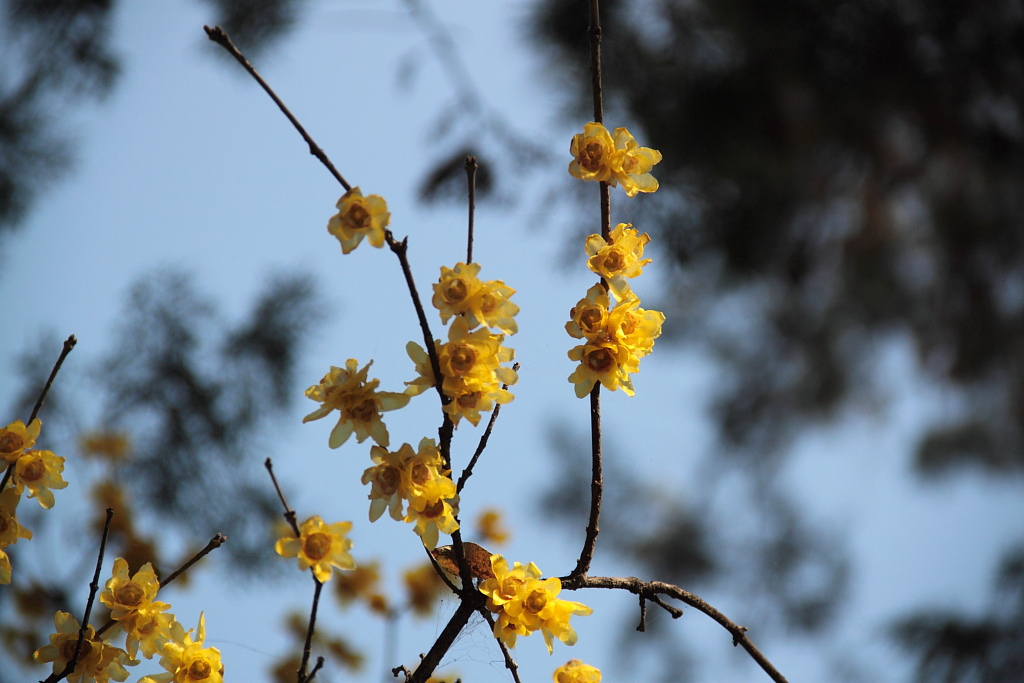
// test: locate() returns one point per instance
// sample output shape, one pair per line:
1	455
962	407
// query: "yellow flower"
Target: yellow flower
526	603
605	362
634	327
186	660
460	292
434	510
319	546
474	356
16	437
593	154
615	158
575	671
387	490
424	371
112	446
97	661
634	163
359	217
39	471
10	529
588	319
126	596
619	258
360	404
147	630
490	527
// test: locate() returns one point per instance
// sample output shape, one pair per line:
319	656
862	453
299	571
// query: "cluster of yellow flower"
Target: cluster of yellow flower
471	360
28	468
419	479
616	337
148	629
320	546
524	603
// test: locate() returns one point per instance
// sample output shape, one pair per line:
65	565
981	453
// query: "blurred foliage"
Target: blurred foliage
56	56
836	176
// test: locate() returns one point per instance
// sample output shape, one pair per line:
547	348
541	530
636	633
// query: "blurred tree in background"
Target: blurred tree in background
839	175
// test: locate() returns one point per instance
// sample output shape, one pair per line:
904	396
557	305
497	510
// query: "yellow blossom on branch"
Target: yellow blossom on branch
10	529
602	361
126	596
460	292
358	402
619	258
39	471
320	546
148	630
186	660
386	480
575	671
434	510
15	438
615	158
359	217
97	661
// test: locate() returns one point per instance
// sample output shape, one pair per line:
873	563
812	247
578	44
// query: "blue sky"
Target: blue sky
188	164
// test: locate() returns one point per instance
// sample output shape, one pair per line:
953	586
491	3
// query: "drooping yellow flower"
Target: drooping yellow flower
619	258
460	292
424	372
186	660
605	362
358	402
126	596
615	158
359	217
147	630
474	355
634	327
588	319
575	671
16	438
490	526
421	468
97	661
10	529
434	510
320	546
386	480
39	471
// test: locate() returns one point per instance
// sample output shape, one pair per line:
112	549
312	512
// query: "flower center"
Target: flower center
536	601
613	261
592	155
316	546
420	474
488	302
67	650
358	217
462	359
364	411
10	442
469	400
590	319
508	587
455	290
200	670
600	360
433	510
34	471
388	480
130	594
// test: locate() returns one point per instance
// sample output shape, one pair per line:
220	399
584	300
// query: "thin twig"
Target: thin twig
444	641
596	486
219	36
93	588
653	590
69	344
319	665
468	472
471	167
307	647
289	514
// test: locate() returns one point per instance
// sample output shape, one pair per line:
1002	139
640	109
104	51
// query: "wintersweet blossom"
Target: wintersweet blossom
16	438
10	529
358	402
147	630
125	596
359	217
524	603
618	258
605	362
320	546
615	158
97	661
460	292
39	471
186	660
434	510
575	671
386	480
